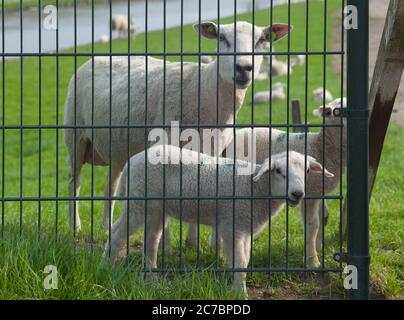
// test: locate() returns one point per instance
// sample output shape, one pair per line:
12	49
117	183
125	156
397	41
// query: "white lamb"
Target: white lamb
276	141
106	146
280	186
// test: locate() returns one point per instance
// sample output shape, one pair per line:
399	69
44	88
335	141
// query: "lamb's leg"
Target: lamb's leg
76	161
109	204
167	239
214	239
153	234
192	235
242	245
119	229
312	227
323	222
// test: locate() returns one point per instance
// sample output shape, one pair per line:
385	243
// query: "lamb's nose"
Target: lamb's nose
297	194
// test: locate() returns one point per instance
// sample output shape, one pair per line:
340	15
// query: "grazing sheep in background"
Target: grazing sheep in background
278	93
206	59
105	146
104	38
299	60
279	185
319	95
120	24
333	150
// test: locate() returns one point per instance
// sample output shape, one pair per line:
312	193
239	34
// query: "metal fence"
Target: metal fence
34	192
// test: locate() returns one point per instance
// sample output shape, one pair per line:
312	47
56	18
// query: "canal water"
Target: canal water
31	23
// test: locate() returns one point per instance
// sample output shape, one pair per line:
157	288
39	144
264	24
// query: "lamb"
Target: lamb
280	186
320	93
277	93
106	146
206	59
264	137
120	23
278	68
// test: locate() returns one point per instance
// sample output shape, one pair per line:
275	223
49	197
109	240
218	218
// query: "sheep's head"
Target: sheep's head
328	112
243	38
290	179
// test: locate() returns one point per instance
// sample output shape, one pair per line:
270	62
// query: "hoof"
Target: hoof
313	262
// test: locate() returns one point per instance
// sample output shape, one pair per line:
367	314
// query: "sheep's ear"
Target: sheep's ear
276	32
207	29
317	168
267	166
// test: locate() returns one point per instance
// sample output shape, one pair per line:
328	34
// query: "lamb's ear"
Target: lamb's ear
317	168
267	166
207	29
276	32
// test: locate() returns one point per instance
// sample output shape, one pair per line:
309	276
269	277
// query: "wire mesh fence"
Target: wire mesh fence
181	83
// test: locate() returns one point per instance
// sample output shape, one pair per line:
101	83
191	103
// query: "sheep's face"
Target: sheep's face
327	112
244	38
289	180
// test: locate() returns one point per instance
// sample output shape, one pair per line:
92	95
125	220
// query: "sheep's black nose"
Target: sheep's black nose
297	194
243	69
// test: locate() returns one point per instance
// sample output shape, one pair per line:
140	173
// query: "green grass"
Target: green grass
83	275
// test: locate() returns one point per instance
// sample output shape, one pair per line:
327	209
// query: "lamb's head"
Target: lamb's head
328	112
289	180
244	38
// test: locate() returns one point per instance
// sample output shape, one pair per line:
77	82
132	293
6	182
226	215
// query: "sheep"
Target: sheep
120	23
206	59
277	68
277	92
264	137
106	146
319	94
299	60
280	186
104	38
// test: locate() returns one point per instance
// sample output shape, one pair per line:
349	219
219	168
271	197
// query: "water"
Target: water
30	21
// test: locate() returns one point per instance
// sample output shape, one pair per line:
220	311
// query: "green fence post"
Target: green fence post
358	113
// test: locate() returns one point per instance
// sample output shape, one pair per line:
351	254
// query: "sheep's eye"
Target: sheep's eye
279	171
308	170
222	38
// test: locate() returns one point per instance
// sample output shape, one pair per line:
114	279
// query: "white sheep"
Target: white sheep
277	93
206	59
119	23
104	38
319	94
105	146
270	180
299	60
278	68
275	140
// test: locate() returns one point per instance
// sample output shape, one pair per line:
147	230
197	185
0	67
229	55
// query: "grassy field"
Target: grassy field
39	156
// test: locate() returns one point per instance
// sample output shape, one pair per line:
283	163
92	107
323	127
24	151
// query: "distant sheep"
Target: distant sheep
320	93
270	179
277	93
119	23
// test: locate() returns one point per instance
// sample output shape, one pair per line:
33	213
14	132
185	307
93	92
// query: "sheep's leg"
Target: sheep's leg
312	227
76	161
192	235
109	204
213	239
153	234
167	239
323	222
242	245
119	231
